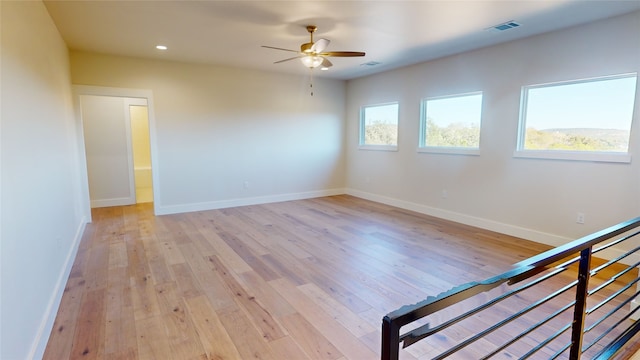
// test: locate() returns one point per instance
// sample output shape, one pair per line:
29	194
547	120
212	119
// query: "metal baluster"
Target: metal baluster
390	339
584	273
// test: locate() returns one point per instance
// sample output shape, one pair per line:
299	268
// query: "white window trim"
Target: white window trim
449	150
423	148
361	125
378	147
593	156
614	157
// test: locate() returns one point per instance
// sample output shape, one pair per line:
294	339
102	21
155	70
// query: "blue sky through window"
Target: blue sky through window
385	114
459	109
602	104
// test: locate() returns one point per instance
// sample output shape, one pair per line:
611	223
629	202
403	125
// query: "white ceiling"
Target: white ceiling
394	33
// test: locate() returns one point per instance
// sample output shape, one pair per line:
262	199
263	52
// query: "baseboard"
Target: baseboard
507	229
112	202
42	337
529	234
221	204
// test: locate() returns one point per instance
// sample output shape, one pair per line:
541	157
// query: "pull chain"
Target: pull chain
311	81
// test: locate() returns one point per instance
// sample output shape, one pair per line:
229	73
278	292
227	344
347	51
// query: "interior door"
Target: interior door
107	136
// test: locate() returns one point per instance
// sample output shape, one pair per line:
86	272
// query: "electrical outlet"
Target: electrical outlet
580	218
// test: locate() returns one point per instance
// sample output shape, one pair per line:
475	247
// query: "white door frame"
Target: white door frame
79	90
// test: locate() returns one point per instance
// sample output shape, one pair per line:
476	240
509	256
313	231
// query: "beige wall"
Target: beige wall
217	128
536	199
41	215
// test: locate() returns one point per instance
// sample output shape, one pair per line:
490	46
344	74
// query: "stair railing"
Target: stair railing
607	333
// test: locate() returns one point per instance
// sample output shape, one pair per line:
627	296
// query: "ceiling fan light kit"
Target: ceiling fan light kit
312	61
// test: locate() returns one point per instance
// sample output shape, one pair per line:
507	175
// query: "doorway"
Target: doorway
141	148
116	129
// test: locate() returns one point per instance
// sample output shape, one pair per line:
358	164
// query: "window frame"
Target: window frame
456	150
572	155
362	126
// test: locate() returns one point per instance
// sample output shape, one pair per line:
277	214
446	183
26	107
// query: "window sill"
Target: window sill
378	147
612	157
449	150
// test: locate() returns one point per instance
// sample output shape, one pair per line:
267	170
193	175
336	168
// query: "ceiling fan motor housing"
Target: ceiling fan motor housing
306	47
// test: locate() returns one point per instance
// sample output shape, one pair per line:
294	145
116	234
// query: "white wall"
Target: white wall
535	199
41	217
219	127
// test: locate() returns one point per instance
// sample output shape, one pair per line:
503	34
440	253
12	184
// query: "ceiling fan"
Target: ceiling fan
312	54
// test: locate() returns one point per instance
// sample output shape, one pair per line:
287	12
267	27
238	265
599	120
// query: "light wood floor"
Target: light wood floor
306	279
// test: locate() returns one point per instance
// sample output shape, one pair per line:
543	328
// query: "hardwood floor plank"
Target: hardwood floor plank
152	340
340	337
155	259
290	270
249	258
187	283
194	259
257	313
339	287
97	267
179	327
61	339
120	328
88	340
340	313
230	258
214	338
118	255
192	229
181	335
217	292
287	348
266	295
315	345
247	339
145	302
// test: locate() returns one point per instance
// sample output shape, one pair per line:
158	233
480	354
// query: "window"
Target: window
451	124
379	127
578	120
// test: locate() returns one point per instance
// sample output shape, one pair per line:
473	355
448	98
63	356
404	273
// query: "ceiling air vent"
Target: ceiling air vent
504	26
371	63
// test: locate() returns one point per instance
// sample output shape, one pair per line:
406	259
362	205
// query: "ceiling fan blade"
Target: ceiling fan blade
320	45
343	53
281	61
326	63
277	48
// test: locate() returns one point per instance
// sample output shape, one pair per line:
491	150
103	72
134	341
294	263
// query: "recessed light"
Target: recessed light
161	47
